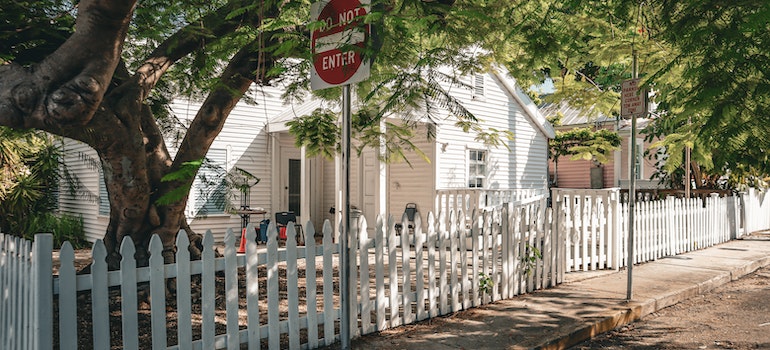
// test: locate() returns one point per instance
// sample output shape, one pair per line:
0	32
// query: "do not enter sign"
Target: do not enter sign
337	45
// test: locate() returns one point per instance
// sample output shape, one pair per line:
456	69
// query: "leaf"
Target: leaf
185	172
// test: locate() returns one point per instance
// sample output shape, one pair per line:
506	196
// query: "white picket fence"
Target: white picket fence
25	312
597	227
268	297
395	280
592	224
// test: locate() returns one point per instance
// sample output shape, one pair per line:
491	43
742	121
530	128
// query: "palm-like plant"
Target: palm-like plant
29	177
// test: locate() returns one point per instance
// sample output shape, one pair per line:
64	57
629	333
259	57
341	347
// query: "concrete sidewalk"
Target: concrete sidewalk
585	305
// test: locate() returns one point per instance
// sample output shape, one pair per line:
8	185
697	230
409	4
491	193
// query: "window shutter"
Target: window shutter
104	199
209	187
478	85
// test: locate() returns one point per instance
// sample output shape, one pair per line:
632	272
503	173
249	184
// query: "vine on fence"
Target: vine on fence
485	283
530	258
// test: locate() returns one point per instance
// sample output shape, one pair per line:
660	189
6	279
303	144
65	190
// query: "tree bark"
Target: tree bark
67	87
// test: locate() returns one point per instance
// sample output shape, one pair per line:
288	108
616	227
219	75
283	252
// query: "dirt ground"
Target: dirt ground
733	316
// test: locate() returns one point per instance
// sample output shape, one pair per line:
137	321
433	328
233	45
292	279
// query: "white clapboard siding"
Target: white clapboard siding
432	270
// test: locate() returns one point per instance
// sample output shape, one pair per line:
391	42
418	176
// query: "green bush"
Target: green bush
63	227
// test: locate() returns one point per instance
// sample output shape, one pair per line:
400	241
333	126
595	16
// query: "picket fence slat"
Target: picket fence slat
310	284
366	301
420	297
454	279
207	292
395	318
475	239
272	288
432	289
292	286
231	290
406	271
252	289
67	298
157	294
442	274
328	293
128	305
183	291
5	298
353	300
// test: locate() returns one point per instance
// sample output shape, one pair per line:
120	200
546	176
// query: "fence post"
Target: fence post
561	250
42	265
732	215
742	208
748	203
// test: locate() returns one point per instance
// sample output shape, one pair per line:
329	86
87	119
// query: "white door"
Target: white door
291	181
369	175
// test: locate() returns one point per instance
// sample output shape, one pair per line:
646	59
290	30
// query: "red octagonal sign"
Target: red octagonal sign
337	44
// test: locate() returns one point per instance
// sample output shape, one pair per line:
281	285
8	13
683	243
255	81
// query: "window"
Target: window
295	185
478	85
477	168
209	187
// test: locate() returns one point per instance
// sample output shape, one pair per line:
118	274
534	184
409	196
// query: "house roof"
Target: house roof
572	115
625	124
292	111
530	109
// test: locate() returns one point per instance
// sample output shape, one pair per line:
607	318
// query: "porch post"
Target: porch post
304	188
275	171
382	188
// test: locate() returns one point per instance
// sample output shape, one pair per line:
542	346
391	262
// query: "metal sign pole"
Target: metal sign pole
344	250
632	198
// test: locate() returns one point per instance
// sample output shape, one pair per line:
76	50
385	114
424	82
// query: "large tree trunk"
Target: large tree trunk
135	159
84	92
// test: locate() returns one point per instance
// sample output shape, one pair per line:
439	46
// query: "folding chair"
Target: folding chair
282	219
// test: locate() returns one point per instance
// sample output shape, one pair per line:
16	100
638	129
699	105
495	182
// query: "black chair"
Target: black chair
410	210
283	218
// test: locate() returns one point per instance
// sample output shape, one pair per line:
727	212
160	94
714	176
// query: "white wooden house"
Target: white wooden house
255	138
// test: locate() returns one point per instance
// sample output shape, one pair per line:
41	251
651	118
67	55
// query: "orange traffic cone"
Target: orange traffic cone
242	248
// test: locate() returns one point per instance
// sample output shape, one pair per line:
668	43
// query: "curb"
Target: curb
636	310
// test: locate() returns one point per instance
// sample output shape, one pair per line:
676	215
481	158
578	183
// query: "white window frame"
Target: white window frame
472	167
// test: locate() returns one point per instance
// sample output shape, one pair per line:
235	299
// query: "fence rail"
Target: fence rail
287	296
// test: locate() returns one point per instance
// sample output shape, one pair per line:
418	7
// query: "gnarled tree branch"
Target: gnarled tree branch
68	86
247	66
194	36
